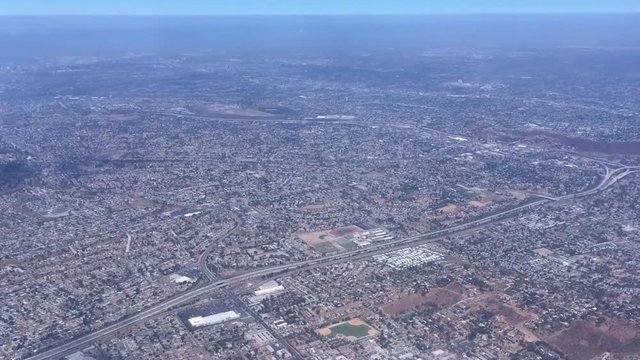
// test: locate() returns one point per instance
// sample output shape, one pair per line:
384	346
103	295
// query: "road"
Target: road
202	261
609	179
292	350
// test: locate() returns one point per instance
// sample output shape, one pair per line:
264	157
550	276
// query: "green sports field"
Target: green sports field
325	247
347	329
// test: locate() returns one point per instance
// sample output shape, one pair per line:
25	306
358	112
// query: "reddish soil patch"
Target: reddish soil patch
347	230
443	297
404	303
478	204
585	340
440	297
449	209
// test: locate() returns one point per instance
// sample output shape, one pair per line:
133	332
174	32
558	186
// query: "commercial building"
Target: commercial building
268	288
213	319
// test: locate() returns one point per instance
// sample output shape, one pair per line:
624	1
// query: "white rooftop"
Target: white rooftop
213	319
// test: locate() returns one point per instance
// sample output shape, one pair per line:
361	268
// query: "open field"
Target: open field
316	237
325	247
449	209
440	297
327	241
405	303
444	297
587	340
352	330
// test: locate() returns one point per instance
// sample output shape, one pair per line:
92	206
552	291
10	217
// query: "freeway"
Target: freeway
609	179
202	261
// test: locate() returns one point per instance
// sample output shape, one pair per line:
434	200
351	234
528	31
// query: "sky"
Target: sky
313	7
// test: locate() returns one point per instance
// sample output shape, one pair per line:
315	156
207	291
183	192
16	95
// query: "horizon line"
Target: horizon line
333	14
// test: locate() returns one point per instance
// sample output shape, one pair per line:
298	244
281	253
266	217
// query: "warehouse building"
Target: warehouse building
218	318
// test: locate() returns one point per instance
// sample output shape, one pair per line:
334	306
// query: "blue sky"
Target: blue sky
220	7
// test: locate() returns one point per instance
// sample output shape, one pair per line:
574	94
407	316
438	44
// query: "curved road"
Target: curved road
202	261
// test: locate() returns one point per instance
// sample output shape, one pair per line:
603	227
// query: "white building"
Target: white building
180	279
270	287
213	319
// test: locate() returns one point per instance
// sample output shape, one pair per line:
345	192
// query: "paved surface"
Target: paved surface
202	261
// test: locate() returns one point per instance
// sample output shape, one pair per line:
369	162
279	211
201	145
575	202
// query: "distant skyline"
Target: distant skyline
310	7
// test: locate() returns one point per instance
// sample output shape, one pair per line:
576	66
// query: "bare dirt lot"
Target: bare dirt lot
449	209
440	297
585	340
404	303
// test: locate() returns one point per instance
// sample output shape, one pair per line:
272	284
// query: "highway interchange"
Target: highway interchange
611	176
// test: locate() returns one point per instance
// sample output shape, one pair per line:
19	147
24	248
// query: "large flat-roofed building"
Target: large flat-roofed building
270	287
181	279
373	235
213	319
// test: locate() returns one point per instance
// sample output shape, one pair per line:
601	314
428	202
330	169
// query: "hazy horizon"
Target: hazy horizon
24	37
312	7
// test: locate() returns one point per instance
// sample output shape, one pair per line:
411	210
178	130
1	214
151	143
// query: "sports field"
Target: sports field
329	241
325	247
351	330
